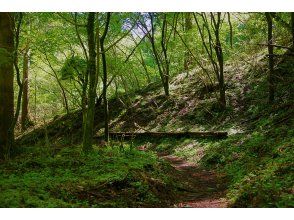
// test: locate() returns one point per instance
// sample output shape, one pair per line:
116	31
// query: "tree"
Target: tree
88	123
165	60
58	80
6	82
104	66
270	46
188	27
292	27
220	58
214	49
25	119
161	57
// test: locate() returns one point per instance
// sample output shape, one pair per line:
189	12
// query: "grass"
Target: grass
260	169
105	178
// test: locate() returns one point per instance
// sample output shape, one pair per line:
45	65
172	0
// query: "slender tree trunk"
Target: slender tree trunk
85	77
64	98
222	90
124	84
116	88
104	92
6	82
142	61
18	79
220	59
188	27
164	75
90	112
165	57
138	86
292	27
35	99
271	57
25	119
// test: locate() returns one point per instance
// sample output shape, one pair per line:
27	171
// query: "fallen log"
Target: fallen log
195	134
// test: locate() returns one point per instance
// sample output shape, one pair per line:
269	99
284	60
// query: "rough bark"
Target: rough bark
6	82
270	57
91	68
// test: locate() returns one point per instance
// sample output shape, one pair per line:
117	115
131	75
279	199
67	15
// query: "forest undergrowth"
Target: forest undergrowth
256	158
107	177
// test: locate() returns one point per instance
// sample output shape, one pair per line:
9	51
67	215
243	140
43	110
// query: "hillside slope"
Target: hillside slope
257	157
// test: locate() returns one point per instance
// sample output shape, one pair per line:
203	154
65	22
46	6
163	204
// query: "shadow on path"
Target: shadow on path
200	188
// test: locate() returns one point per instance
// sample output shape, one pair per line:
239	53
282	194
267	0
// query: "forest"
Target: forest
146	109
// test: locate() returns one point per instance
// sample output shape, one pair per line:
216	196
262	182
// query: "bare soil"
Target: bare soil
200	188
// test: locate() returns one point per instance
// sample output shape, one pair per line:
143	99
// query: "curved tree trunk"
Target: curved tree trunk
6	82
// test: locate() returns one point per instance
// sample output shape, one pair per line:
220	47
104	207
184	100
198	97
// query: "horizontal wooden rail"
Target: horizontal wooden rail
197	134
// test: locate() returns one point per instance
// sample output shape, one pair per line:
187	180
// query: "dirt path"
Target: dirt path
199	188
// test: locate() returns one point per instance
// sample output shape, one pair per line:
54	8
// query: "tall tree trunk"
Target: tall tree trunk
17	17
25	119
220	59
104	92
165	57
6	82
161	67
188	27
271	57
91	68
292	27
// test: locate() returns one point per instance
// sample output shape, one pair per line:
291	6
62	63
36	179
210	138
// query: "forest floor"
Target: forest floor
201	188
253	167
109	177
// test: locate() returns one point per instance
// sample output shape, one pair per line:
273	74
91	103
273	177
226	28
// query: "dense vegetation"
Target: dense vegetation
69	80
